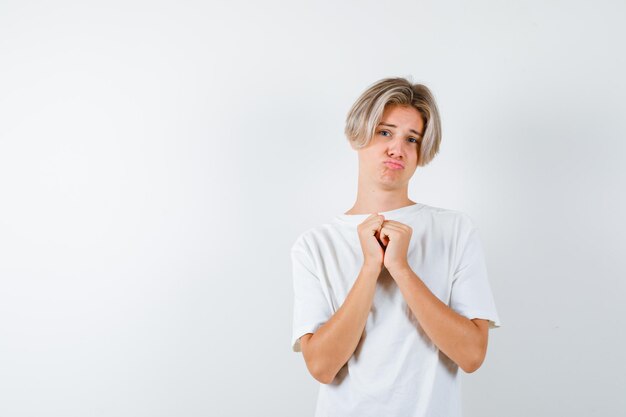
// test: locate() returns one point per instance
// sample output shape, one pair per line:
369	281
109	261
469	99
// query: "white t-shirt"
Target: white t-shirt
396	370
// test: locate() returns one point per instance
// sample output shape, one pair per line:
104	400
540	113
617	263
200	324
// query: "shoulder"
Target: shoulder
447	218
311	237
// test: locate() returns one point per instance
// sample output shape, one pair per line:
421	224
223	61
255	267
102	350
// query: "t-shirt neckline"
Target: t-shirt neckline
356	219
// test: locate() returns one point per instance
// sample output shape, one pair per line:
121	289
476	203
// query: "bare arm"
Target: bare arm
330	347
461	339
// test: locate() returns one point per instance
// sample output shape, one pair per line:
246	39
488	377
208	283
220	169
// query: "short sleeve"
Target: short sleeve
310	308
471	294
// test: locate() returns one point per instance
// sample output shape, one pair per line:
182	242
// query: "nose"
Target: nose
395	148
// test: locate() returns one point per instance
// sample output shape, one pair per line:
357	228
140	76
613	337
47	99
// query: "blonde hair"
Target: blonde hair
366	112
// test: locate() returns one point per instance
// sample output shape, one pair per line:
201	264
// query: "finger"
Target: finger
384	238
397	225
377	222
386	232
372	223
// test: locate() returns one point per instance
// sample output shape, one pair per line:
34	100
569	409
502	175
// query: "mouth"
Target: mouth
394	165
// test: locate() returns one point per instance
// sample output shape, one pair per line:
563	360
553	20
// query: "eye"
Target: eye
411	139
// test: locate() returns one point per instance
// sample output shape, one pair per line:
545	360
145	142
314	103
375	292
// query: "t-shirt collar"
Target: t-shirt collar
395	214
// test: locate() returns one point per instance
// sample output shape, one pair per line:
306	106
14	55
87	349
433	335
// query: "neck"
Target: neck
373	199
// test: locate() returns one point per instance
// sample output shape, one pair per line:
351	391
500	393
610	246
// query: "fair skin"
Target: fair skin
385	243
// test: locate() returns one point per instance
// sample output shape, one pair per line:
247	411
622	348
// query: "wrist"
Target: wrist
398	268
372	267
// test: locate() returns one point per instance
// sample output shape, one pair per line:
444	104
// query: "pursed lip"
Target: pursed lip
397	163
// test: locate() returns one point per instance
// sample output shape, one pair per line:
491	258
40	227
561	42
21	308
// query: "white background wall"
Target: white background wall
157	160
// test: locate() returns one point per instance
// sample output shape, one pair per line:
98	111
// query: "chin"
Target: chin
393	182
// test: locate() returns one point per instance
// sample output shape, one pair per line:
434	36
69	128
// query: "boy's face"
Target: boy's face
397	137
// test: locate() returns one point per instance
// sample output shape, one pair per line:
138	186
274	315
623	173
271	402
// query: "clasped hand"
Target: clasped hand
384	242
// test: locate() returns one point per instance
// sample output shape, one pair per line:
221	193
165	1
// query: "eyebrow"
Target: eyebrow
411	130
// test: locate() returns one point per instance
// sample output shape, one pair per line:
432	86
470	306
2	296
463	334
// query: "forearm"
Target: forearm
456	336
336	340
